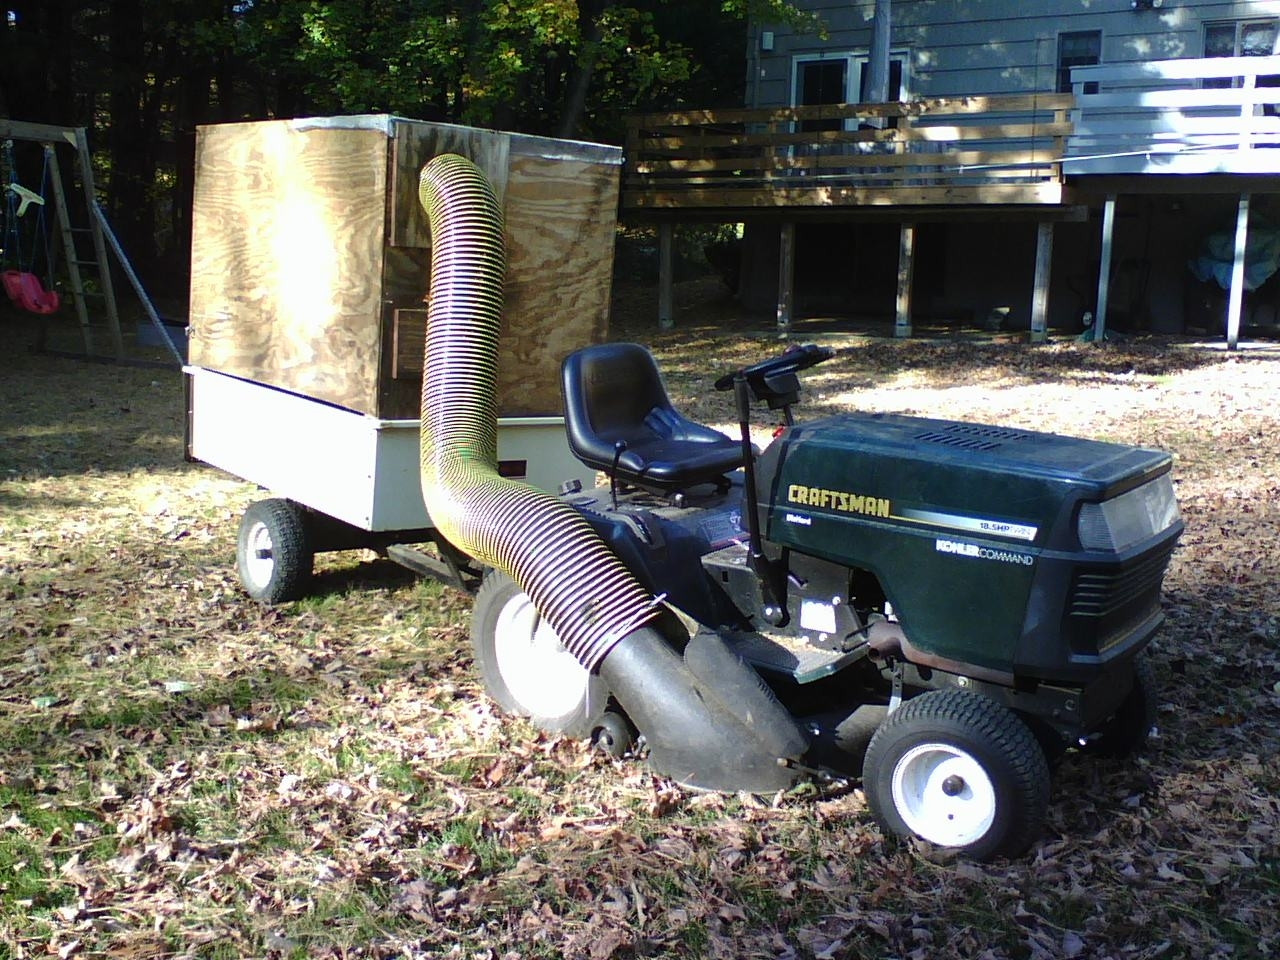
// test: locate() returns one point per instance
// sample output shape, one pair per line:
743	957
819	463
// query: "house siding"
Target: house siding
975	47
988	46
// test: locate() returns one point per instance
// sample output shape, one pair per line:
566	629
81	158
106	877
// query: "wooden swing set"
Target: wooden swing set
23	239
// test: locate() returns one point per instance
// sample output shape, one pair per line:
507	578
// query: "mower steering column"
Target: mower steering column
771	575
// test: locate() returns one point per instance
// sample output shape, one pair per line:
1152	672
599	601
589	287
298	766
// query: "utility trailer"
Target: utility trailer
310	261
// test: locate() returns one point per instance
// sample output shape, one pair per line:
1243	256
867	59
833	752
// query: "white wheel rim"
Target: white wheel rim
944	795
544	678
259	555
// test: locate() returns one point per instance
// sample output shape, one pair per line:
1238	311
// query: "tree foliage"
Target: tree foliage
142	74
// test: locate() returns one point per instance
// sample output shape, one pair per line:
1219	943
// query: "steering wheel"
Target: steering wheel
795	359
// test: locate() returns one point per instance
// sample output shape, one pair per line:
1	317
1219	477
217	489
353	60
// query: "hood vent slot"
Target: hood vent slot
970	436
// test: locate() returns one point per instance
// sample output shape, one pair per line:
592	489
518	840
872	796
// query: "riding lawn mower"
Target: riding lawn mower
937	608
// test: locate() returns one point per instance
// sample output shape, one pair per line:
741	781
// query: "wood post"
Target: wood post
906	262
1249	83
666	282
1235	297
99	242
786	275
1040	293
69	255
1104	269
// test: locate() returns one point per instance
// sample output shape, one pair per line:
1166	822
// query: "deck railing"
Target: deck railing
940	151
1190	116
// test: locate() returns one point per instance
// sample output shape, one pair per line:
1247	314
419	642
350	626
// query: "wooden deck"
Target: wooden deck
941	152
1209	125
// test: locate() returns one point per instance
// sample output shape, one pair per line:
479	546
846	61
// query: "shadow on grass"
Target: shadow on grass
361	574
13	501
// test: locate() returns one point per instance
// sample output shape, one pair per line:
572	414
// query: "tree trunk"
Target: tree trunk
129	142
878	59
575	102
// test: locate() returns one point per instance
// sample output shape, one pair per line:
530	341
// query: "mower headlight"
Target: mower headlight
1130	518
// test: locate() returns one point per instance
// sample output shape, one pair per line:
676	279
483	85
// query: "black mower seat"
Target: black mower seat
613	394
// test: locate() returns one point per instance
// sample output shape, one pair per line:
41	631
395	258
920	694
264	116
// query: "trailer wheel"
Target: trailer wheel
274	554
1127	731
524	666
960	771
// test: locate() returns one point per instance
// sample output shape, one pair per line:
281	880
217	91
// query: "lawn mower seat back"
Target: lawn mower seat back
617	412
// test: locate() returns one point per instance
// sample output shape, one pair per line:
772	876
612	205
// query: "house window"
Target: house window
822	82
1238	38
831	80
1082	48
895	91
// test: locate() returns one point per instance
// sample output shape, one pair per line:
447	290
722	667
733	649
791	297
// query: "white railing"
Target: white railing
1191	116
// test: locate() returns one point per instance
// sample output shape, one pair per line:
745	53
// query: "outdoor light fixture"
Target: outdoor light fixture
1146	4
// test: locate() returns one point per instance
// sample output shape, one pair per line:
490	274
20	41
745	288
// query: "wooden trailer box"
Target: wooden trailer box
311	255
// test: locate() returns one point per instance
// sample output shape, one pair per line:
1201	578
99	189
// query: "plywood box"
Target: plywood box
311	255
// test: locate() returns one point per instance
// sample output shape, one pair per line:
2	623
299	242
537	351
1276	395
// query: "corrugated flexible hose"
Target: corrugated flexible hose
722	732
580	586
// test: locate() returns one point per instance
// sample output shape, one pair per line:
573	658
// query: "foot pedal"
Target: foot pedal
792	656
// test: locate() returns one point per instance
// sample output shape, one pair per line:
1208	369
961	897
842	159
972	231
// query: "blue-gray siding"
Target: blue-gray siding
989	46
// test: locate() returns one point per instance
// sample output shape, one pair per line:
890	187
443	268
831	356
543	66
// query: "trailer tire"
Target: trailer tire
274	553
960	771
1127	731
525	668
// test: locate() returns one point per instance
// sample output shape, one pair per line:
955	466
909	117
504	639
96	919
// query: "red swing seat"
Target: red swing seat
26	291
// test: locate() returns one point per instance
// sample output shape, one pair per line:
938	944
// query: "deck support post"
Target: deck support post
906	265
1235	298
1104	269
666	283
1040	292
786	275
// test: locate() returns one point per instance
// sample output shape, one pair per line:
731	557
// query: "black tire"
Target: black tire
613	734
524	667
960	771
274	554
1127	731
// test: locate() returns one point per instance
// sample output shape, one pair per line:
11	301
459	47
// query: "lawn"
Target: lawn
185	773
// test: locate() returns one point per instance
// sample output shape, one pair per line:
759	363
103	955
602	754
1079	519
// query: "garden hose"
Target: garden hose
722	731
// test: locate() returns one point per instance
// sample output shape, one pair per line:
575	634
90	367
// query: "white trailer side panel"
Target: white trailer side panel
351	466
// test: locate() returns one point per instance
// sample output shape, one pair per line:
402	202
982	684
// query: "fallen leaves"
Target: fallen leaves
183	767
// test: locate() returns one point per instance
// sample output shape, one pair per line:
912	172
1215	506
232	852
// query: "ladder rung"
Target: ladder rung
85	263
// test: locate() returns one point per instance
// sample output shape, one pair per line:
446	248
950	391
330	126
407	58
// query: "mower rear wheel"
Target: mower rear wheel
524	666
960	771
274	553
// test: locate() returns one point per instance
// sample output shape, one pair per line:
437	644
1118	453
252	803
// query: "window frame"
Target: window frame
1238	27
1064	84
854	61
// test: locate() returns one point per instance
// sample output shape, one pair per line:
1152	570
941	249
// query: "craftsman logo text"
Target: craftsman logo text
840	500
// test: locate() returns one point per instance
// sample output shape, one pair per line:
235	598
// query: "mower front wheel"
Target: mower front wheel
960	771
524	666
